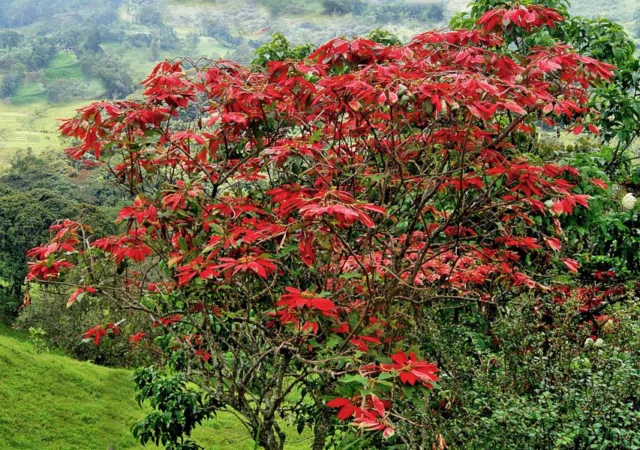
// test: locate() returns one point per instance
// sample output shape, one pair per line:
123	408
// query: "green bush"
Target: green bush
61	327
280	49
534	379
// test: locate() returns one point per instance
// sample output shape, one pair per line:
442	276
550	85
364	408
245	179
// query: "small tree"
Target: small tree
291	225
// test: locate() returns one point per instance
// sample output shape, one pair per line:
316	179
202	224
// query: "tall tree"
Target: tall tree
292	224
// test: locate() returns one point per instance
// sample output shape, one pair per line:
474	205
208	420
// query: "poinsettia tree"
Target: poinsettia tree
290	224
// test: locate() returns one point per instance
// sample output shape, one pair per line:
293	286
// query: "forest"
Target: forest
321	224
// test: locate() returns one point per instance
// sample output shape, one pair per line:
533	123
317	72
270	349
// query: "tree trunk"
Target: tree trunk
270	438
320	430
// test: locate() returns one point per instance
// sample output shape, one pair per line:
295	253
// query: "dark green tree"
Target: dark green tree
27	171
24	222
11	83
114	73
10	39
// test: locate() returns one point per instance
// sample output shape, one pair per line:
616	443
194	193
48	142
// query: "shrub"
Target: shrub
36	336
279	49
65	91
63	328
538	380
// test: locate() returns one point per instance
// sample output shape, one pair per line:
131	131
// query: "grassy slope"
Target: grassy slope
52	402
63	66
31	125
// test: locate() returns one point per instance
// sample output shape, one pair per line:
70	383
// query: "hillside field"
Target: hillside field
52	402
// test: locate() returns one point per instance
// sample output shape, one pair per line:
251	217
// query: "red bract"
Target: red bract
571	264
139	212
305	299
526	17
355	406
74	297
45	270
200	266
99	331
411	369
250	263
166	321
375	419
136	338
348	406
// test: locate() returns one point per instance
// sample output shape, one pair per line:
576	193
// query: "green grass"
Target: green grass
64	66
31	125
29	93
51	402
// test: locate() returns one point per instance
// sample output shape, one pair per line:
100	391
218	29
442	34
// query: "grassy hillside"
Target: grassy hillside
31	125
51	402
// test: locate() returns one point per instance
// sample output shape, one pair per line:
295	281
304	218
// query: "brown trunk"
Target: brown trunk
320	431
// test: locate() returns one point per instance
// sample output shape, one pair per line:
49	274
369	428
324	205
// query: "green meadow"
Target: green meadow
52	402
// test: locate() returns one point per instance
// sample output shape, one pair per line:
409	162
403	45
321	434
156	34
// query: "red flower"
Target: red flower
139	212
134	339
307	328
305	299
98	332
284	317
527	243
361	342
345	214
177	199
305	248
52	248
198	266
341	329
354	406
597	182
553	243
375	420
74	297
348	406
174	201
261	266
571	264
166	321
524	17
43	270
412	370
204	355
131	248
567	204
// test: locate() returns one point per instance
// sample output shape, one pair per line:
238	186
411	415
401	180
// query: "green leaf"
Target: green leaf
355	379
